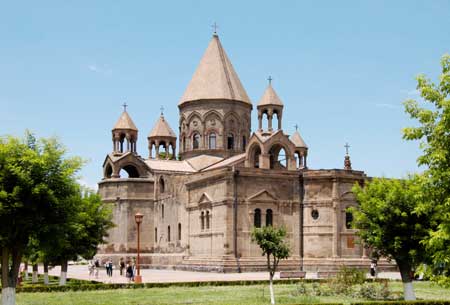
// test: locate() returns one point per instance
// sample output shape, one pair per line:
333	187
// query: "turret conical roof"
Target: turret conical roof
162	129
270	97
298	141
215	77
125	122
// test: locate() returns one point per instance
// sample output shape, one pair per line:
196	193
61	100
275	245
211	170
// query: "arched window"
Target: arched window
162	186
256	154
131	172
230	141
162	211
207	219
156	235
212	141
196	141
168	233
108	171
348	220
122	140
244	143
179	231
269	217
278	157
257	218
202	220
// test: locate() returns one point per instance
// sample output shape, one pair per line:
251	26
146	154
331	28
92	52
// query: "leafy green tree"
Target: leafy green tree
272	242
387	221
432	130
35	177
82	232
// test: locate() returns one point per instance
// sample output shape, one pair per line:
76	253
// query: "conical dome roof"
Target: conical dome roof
270	97
298	141
125	122
162	129
215	77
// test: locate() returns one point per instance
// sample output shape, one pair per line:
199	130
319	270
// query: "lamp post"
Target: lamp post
138	217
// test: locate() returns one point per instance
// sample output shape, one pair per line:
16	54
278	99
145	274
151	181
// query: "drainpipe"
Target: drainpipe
235	217
301	192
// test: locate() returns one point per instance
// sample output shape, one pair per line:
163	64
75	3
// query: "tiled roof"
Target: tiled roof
215	77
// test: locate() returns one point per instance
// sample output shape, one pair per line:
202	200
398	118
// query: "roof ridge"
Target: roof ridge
224	64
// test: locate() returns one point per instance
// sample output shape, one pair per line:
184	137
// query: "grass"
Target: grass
217	295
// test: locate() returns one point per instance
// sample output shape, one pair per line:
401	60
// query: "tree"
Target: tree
81	234
433	132
35	177
387	221
273	246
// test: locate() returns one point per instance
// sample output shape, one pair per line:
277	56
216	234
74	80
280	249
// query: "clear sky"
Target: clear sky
342	69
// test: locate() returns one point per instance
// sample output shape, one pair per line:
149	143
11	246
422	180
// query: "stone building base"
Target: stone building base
229	264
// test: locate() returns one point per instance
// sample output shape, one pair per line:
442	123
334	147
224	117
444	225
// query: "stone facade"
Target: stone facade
200	208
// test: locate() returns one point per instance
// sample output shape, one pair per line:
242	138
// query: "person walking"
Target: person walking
96	267
129	272
110	267
121	266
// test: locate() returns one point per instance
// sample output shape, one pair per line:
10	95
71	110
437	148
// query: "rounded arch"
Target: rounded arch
131	170
196	140
254	152
162	185
274	151
107	173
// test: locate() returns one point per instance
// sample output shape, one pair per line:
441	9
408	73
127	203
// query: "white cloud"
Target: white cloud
104	70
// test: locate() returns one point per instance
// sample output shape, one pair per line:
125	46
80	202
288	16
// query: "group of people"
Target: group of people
128	269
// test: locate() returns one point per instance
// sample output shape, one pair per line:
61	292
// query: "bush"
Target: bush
372	291
346	278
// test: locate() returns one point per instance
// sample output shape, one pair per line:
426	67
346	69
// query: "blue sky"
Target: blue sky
342	69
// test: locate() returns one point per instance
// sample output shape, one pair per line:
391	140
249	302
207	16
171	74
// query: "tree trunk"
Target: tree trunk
272	296
46	281
9	296
26	271
63	277
9	274
34	279
405	272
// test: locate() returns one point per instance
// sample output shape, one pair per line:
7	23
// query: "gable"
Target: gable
204	198
262	196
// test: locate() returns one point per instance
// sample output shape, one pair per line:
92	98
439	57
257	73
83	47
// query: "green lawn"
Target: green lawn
241	295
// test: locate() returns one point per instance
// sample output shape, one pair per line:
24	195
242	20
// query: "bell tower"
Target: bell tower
270	105
124	134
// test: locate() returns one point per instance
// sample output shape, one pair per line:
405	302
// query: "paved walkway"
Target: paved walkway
172	276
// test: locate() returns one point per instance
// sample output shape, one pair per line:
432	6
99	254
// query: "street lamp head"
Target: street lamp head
138	217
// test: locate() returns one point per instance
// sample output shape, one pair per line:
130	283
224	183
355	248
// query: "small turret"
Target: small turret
124	132
270	104
301	149
162	134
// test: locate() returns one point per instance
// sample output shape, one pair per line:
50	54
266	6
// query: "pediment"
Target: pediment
204	199
262	196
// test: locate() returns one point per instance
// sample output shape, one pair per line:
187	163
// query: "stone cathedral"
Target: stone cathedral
203	192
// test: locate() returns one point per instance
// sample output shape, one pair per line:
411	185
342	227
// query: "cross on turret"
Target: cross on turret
346	148
215	27
162	110
296	127
270	79
124	106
